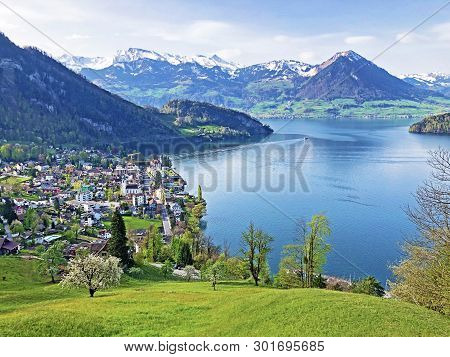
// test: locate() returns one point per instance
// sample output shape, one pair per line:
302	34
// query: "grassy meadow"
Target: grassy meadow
150	306
135	223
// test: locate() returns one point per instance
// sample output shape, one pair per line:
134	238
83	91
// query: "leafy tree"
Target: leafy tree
165	161
165	253
117	244
236	268
215	273
167	269
5	151
56	205
287	279
423	276
52	259
7	211
369	286
153	244
314	248
75	230
158	179
136	272
256	247
291	271
109	194
31	220
17	227
92	272
189	271
319	282
182	252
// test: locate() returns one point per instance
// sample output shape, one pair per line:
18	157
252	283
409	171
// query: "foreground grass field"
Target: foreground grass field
150	306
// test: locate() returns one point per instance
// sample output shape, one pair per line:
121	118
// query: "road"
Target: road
166	222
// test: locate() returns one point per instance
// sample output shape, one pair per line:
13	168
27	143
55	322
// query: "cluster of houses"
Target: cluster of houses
79	196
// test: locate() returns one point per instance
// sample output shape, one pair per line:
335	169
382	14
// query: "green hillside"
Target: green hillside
432	124
153	307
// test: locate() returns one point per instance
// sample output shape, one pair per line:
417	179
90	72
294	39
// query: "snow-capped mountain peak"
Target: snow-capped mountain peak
285	66
436	81
77	63
134	54
350	55
428	78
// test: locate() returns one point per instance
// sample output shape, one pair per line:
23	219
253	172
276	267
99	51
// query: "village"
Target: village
72	195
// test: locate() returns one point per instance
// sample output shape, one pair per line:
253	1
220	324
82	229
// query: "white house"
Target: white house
84	196
176	209
130	189
139	200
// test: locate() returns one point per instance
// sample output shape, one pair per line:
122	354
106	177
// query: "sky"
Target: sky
245	32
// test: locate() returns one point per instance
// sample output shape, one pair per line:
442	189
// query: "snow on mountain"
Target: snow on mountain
77	63
300	68
429	79
350	56
133	54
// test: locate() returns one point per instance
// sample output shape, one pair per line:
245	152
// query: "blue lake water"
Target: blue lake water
360	173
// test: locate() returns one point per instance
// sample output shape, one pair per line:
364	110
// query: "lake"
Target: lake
360	173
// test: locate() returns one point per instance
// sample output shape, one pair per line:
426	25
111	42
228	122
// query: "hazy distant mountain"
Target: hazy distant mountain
436	81
150	78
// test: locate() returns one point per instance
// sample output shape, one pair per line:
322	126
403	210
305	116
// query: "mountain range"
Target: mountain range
45	103
435	81
342	85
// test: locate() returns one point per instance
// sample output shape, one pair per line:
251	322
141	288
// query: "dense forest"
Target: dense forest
43	102
433	124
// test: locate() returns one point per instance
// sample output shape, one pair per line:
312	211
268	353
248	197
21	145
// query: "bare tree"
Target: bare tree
423	276
433	198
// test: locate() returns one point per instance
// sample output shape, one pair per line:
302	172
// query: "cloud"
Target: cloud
207	28
357	40
409	38
308	56
441	31
281	38
230	54
76	36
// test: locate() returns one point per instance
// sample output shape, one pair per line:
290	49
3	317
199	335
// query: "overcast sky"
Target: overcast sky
242	31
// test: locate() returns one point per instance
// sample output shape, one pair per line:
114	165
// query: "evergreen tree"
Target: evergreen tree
7	211
158	179
117	245
369	286
167	269
184	254
199	193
